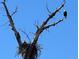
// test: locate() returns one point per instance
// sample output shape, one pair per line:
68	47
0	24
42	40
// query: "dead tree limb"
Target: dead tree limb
17	35
43	26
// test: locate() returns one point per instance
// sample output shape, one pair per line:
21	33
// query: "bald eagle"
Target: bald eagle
65	13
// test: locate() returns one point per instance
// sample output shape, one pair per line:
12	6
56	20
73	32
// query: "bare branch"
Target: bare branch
53	14
26	35
42	27
36	26
17	35
14	11
47	7
55	23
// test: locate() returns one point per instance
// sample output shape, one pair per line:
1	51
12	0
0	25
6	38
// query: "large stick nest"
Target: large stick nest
29	51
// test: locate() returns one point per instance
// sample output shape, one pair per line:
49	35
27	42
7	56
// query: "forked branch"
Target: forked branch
43	26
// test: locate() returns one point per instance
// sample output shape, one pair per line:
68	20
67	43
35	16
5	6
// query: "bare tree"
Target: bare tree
31	50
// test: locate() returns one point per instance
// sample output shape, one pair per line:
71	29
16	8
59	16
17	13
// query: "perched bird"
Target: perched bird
65	13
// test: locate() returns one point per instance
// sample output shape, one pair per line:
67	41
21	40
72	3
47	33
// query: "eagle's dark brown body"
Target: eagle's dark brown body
65	14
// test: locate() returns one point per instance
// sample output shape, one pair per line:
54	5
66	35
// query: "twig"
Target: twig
14	11
47	7
26	35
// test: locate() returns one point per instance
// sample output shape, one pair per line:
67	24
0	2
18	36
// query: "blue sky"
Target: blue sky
59	42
